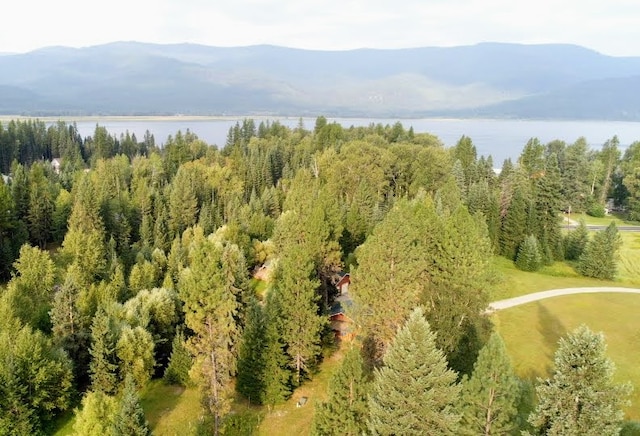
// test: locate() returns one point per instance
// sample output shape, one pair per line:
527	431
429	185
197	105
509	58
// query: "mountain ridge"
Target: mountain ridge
501	80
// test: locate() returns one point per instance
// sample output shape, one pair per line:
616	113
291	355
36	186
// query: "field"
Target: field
531	333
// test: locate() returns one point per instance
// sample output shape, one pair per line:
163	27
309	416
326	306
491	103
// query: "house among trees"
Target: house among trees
341	281
341	323
56	165
263	272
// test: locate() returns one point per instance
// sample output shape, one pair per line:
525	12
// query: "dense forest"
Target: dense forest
124	262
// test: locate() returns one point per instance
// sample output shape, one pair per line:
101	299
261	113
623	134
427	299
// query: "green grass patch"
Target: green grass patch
259	287
618	218
291	420
171	410
63	425
531	333
512	282
629	262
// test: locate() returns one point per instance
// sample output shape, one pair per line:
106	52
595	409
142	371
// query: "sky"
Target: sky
608	26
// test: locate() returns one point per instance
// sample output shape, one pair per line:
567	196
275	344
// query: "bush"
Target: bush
529	258
596	210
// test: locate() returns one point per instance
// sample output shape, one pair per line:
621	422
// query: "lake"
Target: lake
499	138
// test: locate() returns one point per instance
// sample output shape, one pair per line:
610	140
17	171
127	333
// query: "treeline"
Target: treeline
130	262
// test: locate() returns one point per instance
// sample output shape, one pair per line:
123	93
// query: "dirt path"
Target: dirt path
524	299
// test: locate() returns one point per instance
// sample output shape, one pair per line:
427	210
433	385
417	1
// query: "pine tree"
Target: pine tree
576	241
581	397
276	376
208	288
547	209
295	288
346	410
599	258
180	362
103	364
414	393
529	258
129	419
489	398
96	418
514	226
249	380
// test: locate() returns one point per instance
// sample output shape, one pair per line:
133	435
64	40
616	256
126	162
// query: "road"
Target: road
536	296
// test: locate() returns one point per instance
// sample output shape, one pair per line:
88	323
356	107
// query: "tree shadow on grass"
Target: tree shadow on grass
552	329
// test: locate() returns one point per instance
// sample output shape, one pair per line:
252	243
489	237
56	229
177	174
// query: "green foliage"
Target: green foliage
242	424
180	362
346	410
97	416
210	289
489	398
581	398
596	210
276	375
249	380
103	364
576	241
414	393
514	226
129	419
598	260
36	380
529	258
135	354
30	291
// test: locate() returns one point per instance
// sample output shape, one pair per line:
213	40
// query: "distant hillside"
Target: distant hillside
490	79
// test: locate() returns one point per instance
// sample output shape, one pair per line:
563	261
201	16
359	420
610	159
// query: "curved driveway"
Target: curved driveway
524	299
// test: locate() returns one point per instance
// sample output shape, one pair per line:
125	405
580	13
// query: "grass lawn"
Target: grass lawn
291	420
531	333
513	282
171	410
619	219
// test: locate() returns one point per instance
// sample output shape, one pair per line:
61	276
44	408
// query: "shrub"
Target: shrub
529	258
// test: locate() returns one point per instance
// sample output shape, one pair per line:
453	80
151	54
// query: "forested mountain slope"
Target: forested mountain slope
128	78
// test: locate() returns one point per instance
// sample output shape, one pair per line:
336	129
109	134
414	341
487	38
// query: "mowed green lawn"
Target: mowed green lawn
531	333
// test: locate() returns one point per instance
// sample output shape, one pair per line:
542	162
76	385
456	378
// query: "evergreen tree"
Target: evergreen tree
276	375
129	419
514	226
180	362
35	379
581	397
97	416
250	378
547	209
346	410
295	288
529	258
599	258
103	364
414	393
208	289
490	396
576	241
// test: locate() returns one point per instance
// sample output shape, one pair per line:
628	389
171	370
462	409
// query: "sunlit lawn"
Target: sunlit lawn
604	221
171	410
531	333
511	282
287	419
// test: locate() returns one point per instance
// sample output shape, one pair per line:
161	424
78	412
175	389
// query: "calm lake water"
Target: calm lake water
499	138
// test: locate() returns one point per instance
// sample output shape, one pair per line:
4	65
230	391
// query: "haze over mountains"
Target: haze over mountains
485	80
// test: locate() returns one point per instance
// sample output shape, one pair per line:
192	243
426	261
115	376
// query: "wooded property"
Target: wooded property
245	271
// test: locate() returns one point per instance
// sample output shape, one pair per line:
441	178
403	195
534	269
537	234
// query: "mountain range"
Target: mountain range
493	80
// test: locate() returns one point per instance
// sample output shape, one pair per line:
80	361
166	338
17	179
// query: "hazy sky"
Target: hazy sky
609	26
